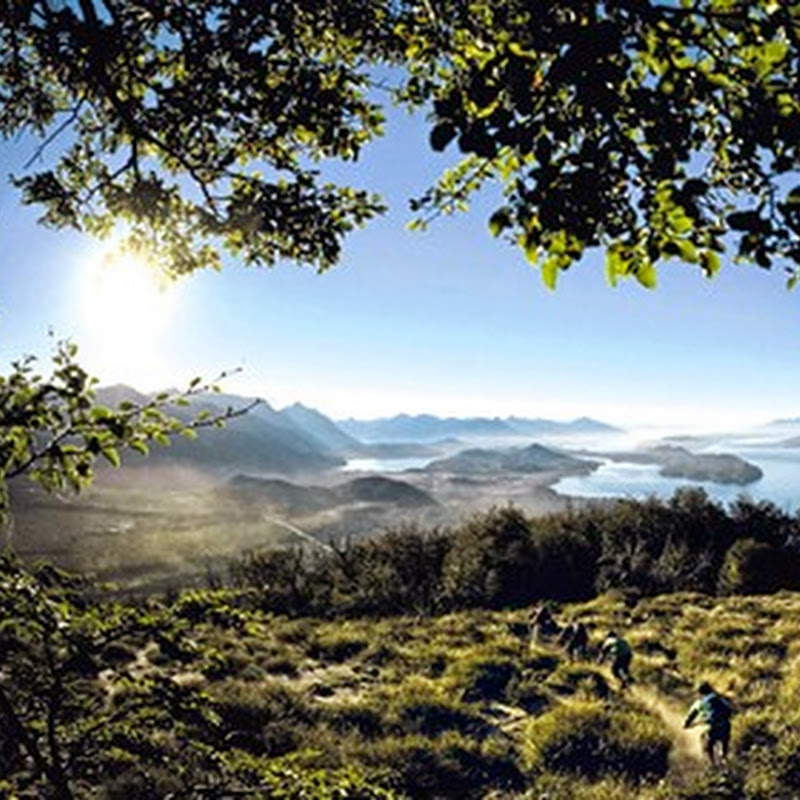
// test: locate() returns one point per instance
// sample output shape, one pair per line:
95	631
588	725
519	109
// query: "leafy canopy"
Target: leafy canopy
169	104
654	130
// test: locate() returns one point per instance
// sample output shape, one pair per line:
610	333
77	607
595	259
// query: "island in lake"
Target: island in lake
678	462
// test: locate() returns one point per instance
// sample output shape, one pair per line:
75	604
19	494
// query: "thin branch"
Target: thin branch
54	135
109	180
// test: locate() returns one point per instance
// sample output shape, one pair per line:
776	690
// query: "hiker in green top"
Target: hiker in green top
714	711
618	651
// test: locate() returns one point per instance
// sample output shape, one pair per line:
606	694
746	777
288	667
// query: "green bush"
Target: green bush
336	647
715	786
398	572
290	778
756	567
489	562
267	718
530	695
448	767
503	559
787	760
432	718
484	680
579	680
589	739
360	718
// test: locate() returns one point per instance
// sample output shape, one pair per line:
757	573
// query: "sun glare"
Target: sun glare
125	308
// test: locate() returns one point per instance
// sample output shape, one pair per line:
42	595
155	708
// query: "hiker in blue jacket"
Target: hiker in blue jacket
714	711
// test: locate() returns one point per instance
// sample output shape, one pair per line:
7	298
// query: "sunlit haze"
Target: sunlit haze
124	310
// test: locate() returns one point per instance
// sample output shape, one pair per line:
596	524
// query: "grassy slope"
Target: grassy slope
463	706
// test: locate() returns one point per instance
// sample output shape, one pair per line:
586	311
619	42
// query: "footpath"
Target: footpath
686	755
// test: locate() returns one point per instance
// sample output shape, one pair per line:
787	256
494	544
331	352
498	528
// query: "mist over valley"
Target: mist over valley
295	477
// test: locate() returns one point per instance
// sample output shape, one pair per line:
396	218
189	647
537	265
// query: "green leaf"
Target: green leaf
549	271
710	262
442	134
499	221
532	252
688	251
613	265
139	446
646	275
112	456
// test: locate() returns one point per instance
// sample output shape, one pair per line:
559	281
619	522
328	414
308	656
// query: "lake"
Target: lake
780	483
384	464
780	465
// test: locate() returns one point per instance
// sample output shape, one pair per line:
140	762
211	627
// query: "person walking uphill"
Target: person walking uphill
574	639
616	650
714	711
541	622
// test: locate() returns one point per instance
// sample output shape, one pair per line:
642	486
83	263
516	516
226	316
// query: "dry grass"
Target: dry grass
463	706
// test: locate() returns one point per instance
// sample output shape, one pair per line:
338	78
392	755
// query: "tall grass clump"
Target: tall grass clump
590	739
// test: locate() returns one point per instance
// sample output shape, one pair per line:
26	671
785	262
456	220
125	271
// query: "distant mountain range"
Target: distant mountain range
298	439
429	428
787	421
263	441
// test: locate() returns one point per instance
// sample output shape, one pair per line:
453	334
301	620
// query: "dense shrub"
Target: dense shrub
716	786
489	562
336	647
787	760
756	567
483	680
347	718
502	559
580	679
654	546
398	572
448	767
434	717
283	578
590	739
284	778
267	718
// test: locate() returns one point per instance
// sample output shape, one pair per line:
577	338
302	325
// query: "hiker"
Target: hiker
618	651
575	640
578	645
542	624
565	637
714	711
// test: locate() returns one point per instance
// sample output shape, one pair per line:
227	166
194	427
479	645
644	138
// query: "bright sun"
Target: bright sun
125	307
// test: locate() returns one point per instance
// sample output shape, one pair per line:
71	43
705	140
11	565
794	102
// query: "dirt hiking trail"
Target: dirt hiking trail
686	755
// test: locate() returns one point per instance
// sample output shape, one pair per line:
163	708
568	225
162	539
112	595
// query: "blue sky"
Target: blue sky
448	321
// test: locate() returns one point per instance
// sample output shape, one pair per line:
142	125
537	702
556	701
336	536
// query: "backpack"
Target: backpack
717	709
